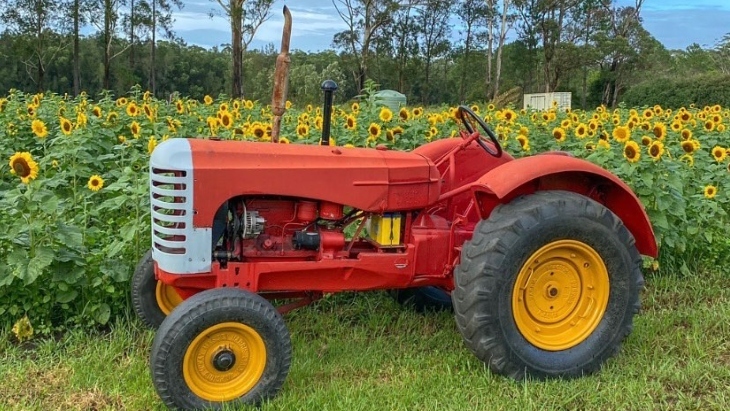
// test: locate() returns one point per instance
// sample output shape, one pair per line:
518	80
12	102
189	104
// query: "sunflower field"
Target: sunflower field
75	206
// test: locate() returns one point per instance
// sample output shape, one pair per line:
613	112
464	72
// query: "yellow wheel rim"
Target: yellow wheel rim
560	295
167	297
224	362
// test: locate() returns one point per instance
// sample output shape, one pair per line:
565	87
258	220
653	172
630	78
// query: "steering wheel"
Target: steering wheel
467	115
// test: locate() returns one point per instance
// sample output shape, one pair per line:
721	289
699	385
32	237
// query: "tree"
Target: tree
364	19
160	18
38	19
245	16
106	15
473	15
503	27
433	22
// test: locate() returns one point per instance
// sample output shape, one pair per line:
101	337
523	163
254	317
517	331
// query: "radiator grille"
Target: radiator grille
171	209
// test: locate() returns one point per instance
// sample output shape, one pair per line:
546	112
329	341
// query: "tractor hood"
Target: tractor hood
367	179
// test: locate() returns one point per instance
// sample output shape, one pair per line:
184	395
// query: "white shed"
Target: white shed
544	101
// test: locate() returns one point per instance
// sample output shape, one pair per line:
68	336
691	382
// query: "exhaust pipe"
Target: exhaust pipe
329	87
281	78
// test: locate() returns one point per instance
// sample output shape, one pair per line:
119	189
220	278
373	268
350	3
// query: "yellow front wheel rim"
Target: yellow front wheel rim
224	362
167	297
560	295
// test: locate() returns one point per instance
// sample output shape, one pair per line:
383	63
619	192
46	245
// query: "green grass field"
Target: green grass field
364	352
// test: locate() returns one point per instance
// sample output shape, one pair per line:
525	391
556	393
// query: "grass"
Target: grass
364	352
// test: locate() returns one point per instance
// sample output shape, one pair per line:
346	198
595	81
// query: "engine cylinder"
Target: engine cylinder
306	211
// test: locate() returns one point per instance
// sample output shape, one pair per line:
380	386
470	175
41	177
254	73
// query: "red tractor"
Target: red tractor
540	256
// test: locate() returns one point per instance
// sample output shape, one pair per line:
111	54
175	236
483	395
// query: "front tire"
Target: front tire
548	286
152	300
221	347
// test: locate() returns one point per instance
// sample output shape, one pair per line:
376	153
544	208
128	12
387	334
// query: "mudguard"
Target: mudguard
555	172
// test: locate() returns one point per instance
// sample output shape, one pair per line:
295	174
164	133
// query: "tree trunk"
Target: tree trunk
131	36
237	47
107	42
76	56
502	36
152	47
490	44
465	64
39	50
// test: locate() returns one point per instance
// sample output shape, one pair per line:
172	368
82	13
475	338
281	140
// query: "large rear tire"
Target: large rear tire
152	300
548	286
223	347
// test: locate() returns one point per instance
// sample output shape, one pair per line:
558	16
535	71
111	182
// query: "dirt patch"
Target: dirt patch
92	400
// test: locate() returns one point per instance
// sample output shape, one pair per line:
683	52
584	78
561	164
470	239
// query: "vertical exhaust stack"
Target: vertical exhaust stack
281	78
329	87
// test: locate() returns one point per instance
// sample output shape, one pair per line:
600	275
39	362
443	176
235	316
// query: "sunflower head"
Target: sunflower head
404	114
621	134
686	134
656	150
132	109
719	153
151	144
710	191
374	130
631	152
350	122
135	129
688	146
226	119
66	126
95	183
559	134
23	166
39	128
96	111
302	130
385	114
208	100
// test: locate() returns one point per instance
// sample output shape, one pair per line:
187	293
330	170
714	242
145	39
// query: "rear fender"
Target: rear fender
552	172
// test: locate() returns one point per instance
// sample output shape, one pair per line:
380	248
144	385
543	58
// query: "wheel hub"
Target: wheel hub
560	295
224	360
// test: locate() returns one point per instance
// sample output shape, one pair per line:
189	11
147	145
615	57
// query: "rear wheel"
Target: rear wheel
548	286
220	348
152	300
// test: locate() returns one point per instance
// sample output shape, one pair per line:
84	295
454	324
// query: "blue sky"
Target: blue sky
675	23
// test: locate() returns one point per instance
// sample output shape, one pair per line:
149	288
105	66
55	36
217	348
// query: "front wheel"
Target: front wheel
220	348
152	300
548	286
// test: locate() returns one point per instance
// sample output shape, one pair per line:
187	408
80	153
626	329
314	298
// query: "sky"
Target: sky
675	23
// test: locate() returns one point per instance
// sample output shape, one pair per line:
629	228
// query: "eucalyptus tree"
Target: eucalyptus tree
365	20
245	17
473	16
158	18
37	21
435	28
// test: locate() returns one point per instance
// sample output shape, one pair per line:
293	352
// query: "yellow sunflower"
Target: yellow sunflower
385	114
302	130
524	142
688	146
656	150
721	128
417	112
208	100
148	111
96	111
66	126
23	166
135	129
710	191
355	107
39	128
559	134
648	113
631	151
350	122
709	125
248	104
719	153
581	130
509	115
374	130
179	107
659	130
151	144
621	134
226	119
686	134
676	126
95	183
646	141
132	109
284	140
404	114
223	107
258	131
111	118
121	102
